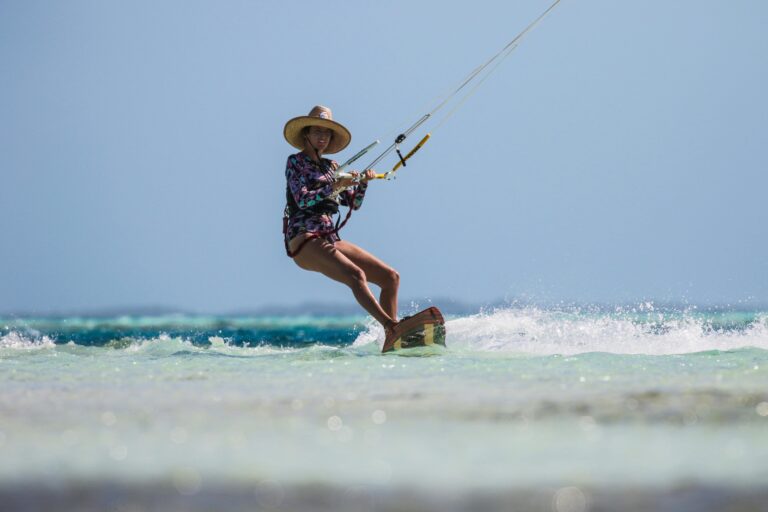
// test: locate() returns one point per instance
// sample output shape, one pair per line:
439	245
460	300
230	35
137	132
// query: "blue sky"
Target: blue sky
618	154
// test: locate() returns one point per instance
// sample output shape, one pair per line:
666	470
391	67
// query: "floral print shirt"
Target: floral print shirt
311	183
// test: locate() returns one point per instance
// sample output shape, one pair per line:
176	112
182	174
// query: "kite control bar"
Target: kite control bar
401	163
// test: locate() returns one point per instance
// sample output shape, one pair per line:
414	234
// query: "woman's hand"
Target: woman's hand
346	181
352	179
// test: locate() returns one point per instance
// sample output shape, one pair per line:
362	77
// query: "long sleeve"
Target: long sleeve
307	189
359	192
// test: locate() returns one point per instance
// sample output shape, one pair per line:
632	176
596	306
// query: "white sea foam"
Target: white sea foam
18	341
543	332
373	334
165	344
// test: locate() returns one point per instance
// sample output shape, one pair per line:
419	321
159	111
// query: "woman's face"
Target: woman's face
319	137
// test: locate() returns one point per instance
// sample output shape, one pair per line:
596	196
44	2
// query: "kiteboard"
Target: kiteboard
423	329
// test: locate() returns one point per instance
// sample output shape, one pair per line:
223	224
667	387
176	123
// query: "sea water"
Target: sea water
576	401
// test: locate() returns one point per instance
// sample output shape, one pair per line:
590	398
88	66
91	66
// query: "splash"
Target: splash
543	332
18	341
643	330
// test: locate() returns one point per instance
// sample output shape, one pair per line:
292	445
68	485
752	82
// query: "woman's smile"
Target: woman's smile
320	137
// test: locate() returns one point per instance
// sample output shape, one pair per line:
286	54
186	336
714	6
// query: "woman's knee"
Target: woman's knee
392	278
356	277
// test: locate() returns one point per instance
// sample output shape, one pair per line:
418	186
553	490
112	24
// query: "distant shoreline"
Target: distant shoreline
447	305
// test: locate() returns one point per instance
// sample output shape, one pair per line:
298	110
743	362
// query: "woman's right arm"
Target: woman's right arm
305	188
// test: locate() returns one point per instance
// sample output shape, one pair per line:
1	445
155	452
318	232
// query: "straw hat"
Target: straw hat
318	116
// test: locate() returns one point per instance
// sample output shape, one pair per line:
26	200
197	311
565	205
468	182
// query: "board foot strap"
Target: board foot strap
424	328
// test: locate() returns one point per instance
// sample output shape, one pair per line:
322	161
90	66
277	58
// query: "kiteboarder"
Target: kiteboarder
313	195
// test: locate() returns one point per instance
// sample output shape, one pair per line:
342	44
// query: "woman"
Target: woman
313	195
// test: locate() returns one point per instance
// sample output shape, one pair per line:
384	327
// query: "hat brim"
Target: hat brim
292	132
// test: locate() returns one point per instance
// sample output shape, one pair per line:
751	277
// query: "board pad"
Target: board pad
423	329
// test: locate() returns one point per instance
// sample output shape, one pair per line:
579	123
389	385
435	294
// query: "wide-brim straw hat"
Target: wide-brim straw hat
318	116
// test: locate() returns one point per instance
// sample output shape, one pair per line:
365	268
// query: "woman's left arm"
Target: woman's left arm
359	194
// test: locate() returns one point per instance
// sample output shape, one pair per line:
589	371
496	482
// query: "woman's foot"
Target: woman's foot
389	328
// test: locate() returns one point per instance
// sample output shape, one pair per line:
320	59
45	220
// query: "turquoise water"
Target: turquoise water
521	398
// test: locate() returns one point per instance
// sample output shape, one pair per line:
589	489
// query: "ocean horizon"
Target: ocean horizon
448	305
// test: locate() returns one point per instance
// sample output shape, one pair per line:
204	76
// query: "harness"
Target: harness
328	207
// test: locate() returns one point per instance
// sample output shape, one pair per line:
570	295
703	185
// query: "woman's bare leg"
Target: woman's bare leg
319	255
377	272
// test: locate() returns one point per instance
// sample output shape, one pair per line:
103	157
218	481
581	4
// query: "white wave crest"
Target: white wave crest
545	332
16	341
166	345
542	332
